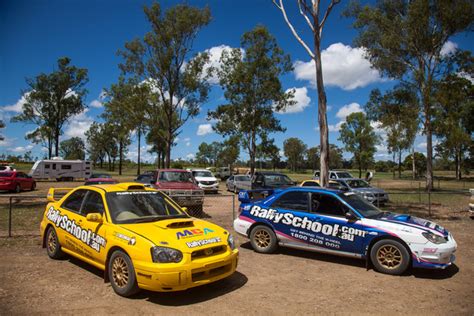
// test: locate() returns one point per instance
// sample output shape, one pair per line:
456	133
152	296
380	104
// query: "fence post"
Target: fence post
429	203
233	208
10	218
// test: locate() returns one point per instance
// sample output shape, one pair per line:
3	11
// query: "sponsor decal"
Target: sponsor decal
137	193
203	242
193	233
86	236
334	230
130	240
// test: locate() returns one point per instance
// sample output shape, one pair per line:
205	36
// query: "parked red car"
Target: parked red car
100	178
16	181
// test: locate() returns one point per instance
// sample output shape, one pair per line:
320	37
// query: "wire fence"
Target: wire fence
20	215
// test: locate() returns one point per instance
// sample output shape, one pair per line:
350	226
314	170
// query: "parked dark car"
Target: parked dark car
146	179
16	181
271	180
100	178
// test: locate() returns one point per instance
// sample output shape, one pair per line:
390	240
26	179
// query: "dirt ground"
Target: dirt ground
289	281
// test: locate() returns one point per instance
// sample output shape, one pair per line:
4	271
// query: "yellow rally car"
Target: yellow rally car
138	236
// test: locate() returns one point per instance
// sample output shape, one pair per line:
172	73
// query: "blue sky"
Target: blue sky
35	33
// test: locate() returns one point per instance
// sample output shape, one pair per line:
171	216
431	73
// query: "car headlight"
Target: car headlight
231	242
165	255
435	239
369	196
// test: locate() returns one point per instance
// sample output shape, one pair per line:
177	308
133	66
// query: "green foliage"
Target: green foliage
359	139
253	90
229	152
102	144
208	153
52	100
335	157
294	150
312	156
384	166
420	163
179	86
73	148
404	41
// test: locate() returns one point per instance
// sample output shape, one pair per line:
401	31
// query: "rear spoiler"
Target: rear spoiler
52	191
247	196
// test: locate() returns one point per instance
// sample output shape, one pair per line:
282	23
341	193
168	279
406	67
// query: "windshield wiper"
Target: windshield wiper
148	219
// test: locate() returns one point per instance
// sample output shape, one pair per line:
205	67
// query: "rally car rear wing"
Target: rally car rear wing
247	196
52	191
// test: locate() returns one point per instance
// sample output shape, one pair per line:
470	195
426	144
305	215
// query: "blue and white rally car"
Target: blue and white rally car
342	223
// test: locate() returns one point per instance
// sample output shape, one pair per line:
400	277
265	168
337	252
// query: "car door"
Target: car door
94	246
291	208
334	231
230	183
69	230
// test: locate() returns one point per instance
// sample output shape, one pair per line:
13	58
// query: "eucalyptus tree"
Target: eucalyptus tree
315	17
52	99
406	40
162	60
252	87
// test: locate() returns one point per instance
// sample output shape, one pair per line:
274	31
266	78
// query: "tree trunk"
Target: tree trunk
138	150
458	159
399	164
413	164
50	147
429	155
322	116
56	140
252	152
120	156
393	169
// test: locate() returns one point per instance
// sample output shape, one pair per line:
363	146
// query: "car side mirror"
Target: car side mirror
351	217
94	217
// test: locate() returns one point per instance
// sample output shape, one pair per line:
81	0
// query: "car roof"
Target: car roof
173	170
315	189
270	173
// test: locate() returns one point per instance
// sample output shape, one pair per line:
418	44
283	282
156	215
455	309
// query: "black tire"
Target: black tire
53	248
122	274
17	188
390	257
263	239
33	186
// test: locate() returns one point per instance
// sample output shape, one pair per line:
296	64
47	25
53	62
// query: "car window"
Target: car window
327	204
295	200
231	178
358	184
277	179
311	184
332	175
92	204
344	175
316	174
20	175
74	201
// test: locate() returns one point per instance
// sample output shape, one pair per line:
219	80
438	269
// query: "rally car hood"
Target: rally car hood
185	234
177	186
415	222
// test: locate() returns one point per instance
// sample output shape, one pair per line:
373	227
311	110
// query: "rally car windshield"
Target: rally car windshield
140	206
364	208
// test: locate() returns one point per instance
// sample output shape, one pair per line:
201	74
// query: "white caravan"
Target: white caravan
61	170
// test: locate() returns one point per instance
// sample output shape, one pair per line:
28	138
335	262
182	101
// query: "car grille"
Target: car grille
208	182
207	252
200	275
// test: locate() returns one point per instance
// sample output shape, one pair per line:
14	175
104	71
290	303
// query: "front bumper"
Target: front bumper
434	256
170	277
188	200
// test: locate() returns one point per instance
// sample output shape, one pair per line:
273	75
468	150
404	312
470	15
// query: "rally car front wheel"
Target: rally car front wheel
390	257
263	239
52	244
122	274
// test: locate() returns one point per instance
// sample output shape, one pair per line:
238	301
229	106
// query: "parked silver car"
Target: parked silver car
363	189
238	182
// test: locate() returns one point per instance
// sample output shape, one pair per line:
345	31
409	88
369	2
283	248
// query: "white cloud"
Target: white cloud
448	48
189	156
188	144
204	129
18	106
335	127
422	146
343	66
348	109
95	104
21	149
78	125
215	54
301	98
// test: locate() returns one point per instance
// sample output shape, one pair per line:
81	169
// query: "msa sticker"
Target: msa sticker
130	240
87	237
203	242
334	230
193	233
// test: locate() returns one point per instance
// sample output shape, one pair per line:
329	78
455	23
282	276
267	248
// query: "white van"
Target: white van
61	170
